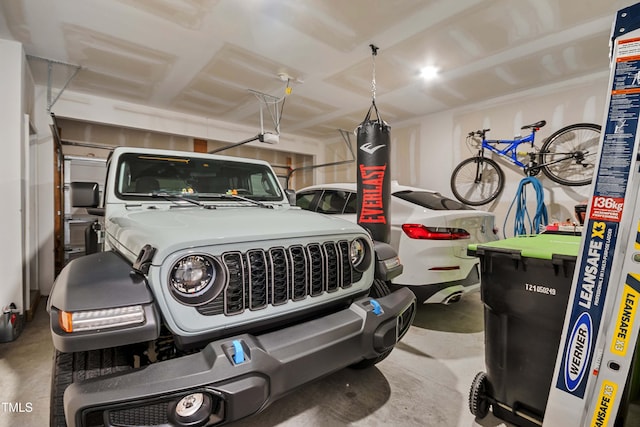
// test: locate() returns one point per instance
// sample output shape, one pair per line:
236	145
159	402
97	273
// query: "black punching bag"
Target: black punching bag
374	185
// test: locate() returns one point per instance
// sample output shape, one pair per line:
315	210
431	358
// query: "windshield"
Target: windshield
144	175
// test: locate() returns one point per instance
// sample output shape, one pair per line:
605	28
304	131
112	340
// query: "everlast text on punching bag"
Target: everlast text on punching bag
374	185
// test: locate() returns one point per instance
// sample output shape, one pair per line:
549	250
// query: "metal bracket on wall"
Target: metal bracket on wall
50	65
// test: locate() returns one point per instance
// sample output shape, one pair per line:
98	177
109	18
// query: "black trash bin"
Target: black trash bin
525	287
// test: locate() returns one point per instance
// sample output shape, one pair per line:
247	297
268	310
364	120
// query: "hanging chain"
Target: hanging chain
373	80
374	52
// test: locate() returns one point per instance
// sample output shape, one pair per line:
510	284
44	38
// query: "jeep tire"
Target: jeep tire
71	367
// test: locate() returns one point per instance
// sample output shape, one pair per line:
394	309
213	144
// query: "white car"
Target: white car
430	232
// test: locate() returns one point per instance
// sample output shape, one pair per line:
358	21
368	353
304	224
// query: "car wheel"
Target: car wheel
379	289
72	367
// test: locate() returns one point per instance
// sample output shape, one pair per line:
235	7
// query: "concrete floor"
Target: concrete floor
424	382
25	373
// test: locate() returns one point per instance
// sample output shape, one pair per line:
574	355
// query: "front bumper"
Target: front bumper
273	364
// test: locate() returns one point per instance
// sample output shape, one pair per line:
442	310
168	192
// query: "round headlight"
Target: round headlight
192	274
357	252
192	279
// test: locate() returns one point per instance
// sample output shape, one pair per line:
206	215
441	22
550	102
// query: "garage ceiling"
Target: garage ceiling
204	56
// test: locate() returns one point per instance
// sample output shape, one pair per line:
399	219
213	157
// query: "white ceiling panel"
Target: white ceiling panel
204	57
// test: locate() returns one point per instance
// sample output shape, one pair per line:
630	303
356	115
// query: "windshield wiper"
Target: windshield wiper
173	197
236	197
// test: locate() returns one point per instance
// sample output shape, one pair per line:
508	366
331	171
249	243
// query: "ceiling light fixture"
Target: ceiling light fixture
429	72
285	77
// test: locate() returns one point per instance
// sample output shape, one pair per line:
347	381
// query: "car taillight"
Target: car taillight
419	231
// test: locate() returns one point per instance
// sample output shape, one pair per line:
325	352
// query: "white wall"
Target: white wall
95	109
11	120
442	137
425	150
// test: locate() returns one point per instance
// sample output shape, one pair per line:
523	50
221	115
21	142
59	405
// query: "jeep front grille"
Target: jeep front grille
258	278
316	268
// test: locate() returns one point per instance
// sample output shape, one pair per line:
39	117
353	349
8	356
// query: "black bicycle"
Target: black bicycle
567	157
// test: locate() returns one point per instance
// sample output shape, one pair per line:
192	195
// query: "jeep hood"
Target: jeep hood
175	229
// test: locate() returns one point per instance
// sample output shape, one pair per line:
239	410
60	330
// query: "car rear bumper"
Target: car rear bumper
446	292
431	266
271	365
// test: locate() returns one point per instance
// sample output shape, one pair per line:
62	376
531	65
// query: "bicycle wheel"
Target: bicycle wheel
477	181
569	156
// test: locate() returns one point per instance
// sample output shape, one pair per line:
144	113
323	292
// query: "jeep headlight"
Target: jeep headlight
359	254
196	279
93	320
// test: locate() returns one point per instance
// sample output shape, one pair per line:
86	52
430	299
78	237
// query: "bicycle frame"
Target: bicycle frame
569	147
510	152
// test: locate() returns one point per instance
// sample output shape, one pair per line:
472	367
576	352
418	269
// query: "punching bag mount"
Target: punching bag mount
374	53
379	121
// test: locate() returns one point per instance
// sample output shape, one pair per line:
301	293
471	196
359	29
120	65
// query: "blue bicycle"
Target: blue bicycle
567	157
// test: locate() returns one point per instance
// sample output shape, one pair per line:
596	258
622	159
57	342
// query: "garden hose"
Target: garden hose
522	217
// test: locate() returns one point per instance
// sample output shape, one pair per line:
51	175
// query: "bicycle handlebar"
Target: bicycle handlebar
479	132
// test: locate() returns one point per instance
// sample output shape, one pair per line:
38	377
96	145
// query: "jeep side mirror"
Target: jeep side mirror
291	196
85	194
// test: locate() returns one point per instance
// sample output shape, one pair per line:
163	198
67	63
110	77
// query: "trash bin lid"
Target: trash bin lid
542	246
